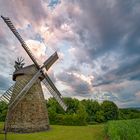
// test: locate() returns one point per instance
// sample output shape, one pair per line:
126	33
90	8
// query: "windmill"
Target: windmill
25	97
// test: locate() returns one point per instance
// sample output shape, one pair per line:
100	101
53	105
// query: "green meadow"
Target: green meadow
112	130
58	132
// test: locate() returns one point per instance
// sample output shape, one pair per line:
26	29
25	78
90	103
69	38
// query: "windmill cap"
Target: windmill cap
28	70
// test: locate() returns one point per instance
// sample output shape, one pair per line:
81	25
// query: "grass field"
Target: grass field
92	132
115	130
123	129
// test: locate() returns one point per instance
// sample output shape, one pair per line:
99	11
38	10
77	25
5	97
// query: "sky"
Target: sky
98	43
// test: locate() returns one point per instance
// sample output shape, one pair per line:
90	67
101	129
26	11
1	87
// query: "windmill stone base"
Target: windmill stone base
30	114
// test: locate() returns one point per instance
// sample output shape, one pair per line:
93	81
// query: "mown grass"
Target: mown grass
123	130
57	132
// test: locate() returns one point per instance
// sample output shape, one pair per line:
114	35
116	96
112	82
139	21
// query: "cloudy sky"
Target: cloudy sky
98	42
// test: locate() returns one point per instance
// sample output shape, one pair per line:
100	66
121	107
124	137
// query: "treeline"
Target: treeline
87	112
82	112
129	113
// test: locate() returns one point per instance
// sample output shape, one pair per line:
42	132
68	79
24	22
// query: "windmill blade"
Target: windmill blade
26	88
7	95
54	91
15	32
49	62
23	92
47	81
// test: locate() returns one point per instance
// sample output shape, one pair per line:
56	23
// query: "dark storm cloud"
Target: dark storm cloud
105	35
107	25
76	84
108	28
127	70
4	82
108	38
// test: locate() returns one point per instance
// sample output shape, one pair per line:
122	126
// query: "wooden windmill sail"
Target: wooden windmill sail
26	110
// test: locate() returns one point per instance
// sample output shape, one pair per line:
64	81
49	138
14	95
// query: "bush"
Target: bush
68	119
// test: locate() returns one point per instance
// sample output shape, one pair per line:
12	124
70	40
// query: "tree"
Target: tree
53	105
95	112
91	108
81	114
110	110
99	117
3	111
72	105
53	109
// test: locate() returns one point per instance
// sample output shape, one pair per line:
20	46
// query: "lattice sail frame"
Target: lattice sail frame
47	64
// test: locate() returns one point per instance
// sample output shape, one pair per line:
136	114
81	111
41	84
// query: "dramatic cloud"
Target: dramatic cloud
77	83
4	82
98	42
